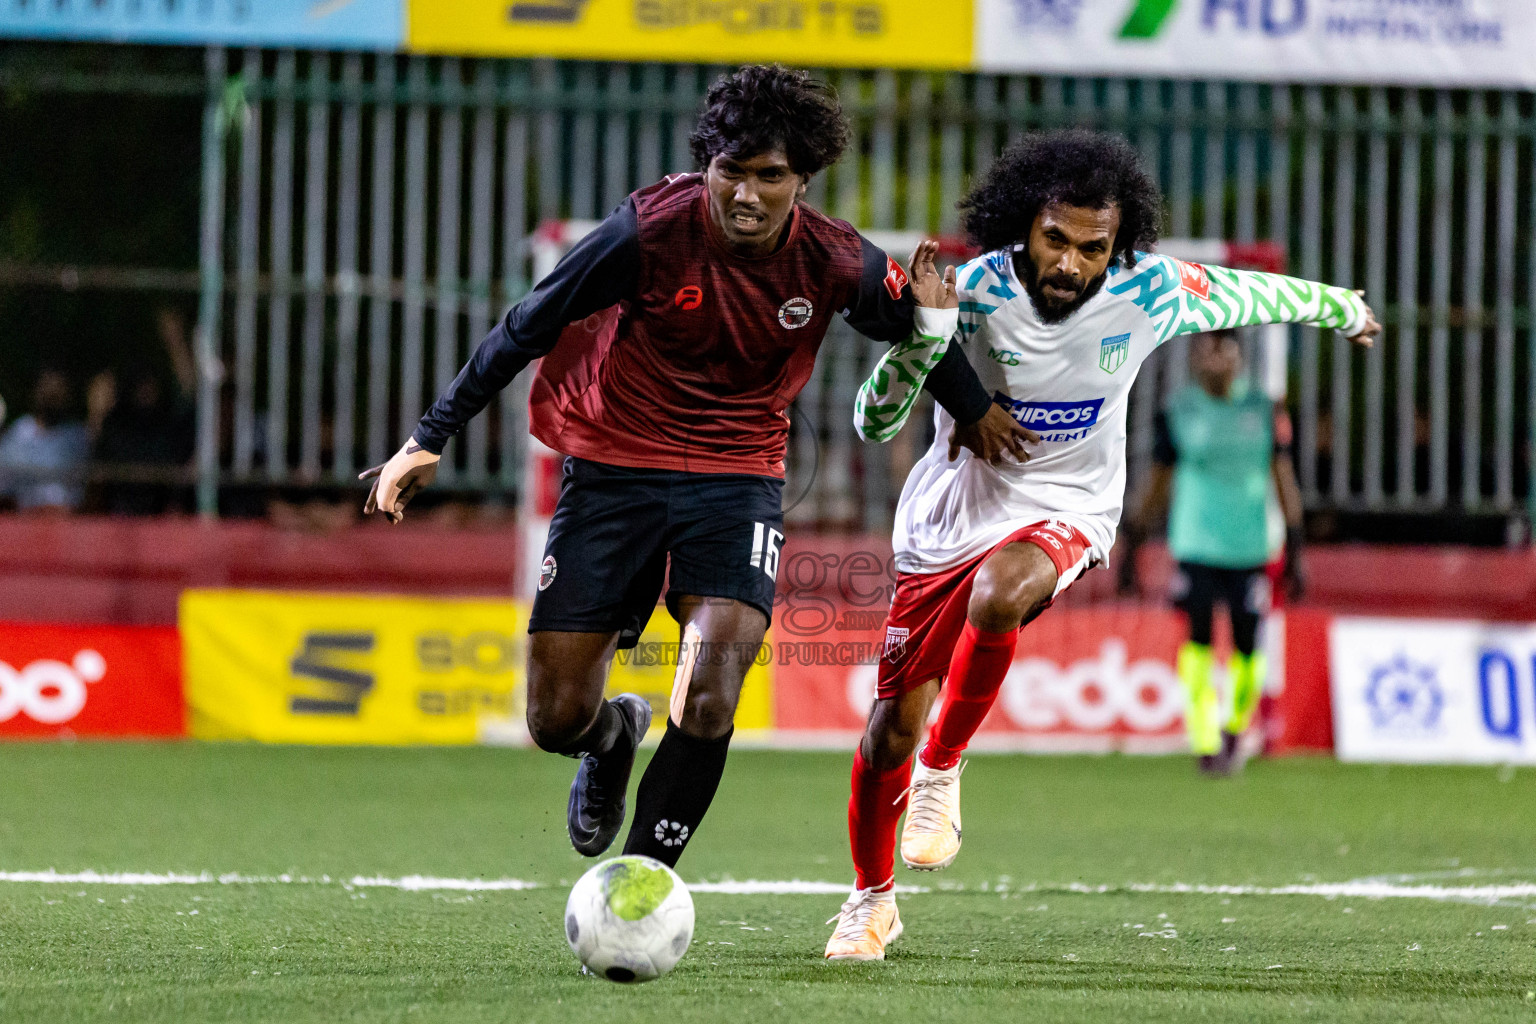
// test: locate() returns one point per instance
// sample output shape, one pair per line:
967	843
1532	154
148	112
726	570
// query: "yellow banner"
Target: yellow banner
283	667
842	33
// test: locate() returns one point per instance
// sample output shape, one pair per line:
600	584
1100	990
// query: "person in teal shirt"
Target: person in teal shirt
1221	446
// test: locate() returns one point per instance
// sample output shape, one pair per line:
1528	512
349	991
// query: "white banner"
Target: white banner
1421	42
1433	691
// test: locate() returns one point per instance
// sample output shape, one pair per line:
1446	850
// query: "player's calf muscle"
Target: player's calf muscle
896	726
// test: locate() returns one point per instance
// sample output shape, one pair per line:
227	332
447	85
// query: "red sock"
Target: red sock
873	810
976	672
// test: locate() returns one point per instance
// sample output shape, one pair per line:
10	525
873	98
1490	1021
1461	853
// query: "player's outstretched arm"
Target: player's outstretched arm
599	271
1216	298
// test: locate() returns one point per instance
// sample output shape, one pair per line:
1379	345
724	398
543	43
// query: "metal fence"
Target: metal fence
367	217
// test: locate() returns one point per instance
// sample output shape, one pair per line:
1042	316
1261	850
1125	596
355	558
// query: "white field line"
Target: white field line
1364	888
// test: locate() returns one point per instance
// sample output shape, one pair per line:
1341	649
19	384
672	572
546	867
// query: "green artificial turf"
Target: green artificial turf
1001	936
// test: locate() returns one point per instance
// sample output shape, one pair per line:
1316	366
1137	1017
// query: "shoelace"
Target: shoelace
928	796
853	918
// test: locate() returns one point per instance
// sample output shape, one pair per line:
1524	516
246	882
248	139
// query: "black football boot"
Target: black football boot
596	809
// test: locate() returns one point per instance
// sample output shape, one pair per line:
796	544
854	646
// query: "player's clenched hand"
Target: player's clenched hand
1368	334
929	288
992	436
396	482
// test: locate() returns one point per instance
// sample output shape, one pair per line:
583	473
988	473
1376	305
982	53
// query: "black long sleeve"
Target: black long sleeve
599	271
882	309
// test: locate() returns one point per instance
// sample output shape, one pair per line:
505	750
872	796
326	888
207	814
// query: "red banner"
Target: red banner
1098	678
67	681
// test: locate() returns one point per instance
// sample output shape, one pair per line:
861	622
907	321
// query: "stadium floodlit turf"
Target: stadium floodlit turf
1065	904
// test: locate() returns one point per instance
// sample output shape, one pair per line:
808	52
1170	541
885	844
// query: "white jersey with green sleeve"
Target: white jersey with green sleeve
1070	382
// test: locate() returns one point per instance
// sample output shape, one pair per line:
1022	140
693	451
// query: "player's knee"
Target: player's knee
1000	601
556	726
708	714
890	739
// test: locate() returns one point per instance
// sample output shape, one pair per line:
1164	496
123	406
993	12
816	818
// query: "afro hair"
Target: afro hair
764	107
1072	166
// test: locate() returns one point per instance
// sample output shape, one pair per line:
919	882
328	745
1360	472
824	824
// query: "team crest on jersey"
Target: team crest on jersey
895	643
795	313
1112	352
547	572
1194	279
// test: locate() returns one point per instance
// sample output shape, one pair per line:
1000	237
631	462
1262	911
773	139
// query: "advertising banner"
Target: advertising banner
61	682
1082	680
804	33
321	24
1420	690
285	667
1429	42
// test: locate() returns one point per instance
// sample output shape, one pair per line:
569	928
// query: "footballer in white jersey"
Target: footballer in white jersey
1056	318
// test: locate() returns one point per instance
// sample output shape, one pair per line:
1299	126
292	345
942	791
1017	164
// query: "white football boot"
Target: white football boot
930	839
866	924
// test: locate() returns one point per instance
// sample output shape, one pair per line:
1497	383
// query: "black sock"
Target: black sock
599	738
677	788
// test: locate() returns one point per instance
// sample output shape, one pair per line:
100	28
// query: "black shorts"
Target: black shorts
1197	589
615	528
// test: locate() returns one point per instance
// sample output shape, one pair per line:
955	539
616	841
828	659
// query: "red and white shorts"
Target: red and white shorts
928	610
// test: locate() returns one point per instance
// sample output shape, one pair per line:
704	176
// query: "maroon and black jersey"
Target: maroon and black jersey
663	349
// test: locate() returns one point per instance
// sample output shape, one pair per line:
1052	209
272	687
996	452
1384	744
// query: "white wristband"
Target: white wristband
935	323
1357	318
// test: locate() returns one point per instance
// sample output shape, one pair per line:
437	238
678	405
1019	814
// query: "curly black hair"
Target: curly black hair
764	107
1072	166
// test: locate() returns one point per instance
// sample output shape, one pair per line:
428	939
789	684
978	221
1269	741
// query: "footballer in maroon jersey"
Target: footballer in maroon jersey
675	336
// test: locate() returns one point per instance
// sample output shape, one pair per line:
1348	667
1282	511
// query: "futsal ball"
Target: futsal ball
629	919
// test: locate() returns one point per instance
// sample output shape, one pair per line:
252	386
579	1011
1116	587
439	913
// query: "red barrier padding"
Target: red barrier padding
132	571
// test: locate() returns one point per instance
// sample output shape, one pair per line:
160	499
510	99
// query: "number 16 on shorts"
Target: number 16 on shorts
765	549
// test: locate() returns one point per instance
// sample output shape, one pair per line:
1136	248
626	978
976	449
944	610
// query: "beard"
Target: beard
1051	310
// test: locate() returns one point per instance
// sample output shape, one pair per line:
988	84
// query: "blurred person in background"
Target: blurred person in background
1220	444
146	430
43	454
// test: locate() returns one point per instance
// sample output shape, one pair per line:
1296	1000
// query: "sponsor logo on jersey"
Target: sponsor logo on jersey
895	643
1194	279
1113	352
1053	421
895	278
547	572
689	296
795	313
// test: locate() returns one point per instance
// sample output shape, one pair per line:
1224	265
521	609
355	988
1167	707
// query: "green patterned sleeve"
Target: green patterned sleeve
886	399
1216	298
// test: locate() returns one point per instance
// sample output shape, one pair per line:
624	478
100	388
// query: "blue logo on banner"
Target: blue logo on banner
1057	15
1498	690
1404	697
331	24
